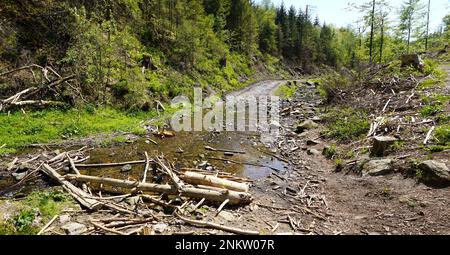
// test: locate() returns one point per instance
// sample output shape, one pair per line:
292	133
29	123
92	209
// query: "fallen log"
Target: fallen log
201	179
236	198
79	195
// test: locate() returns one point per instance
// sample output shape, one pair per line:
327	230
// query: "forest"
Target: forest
85	92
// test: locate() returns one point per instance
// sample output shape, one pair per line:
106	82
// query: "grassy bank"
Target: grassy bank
18	129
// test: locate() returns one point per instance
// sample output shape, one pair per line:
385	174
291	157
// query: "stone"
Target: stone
378	167
316	119
312	142
381	145
74	228
64	218
435	172
306	125
226	216
160	228
133	200
413	60
19	176
314	152
126	168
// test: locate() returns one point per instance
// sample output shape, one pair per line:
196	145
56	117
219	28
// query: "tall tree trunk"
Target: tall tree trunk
382	38
428	25
372	32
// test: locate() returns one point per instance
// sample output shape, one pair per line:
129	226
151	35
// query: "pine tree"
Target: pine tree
411	21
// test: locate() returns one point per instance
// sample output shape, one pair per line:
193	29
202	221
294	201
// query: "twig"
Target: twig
147	166
217	226
47	225
108	229
222	206
429	135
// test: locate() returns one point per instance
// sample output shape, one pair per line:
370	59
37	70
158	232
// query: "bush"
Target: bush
346	124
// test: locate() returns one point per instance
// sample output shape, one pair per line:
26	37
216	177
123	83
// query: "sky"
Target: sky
333	11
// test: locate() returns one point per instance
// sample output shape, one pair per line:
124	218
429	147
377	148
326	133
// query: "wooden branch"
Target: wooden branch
176	180
72	165
200	179
218	195
430	132
79	195
217	226
47	225
20	69
111	164
244	163
107	229
147	166
209	148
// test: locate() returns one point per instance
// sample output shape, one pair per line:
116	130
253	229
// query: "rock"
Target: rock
306	125
19	176
64	218
316	119
435	172
312	142
74	228
314	152
160	228
378	167
381	145
226	216
413	60
133	200
126	168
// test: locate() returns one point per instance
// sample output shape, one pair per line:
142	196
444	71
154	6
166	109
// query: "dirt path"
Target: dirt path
262	88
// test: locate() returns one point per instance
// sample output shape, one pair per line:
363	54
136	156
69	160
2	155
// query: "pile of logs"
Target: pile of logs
190	186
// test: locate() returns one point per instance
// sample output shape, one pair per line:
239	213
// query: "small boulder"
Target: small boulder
226	216
64	218
313	152
381	145
126	168
312	142
435	172
306	125
413	60
160	228
74	228
378	167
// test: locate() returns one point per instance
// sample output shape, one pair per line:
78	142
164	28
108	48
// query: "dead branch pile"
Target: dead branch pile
50	81
177	190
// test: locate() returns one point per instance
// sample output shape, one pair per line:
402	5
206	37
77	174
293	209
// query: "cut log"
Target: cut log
79	195
201	179
236	198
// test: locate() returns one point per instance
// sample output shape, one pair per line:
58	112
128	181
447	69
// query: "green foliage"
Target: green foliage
331	83
442	135
430	110
286	91
346	124
49	202
330	151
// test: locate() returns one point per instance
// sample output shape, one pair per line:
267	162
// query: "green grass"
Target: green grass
442	135
346	124
44	204
18	129
286	91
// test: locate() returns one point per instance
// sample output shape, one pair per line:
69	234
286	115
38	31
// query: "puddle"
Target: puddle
192	145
